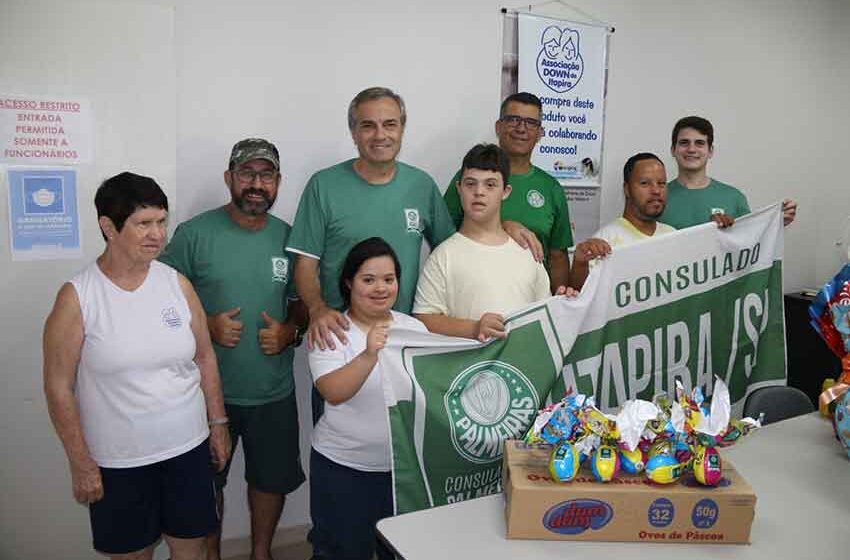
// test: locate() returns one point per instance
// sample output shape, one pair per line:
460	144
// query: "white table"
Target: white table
800	473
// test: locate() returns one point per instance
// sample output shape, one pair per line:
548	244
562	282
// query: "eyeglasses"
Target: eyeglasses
267	176
513	121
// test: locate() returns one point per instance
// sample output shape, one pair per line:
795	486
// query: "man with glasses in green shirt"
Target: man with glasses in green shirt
235	258
537	200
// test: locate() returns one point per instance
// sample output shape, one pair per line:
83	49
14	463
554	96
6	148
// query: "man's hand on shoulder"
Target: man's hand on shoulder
525	238
324	323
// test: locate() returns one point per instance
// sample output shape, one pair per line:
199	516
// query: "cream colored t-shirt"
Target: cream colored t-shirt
465	279
621	232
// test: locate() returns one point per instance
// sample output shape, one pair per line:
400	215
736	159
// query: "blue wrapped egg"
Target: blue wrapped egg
663	469
605	463
632	462
563	462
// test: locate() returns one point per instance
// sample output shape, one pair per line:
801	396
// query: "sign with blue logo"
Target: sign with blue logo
43	217
563	63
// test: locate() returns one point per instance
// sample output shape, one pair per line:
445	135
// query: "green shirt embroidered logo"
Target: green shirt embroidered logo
280	269
411	216
535	199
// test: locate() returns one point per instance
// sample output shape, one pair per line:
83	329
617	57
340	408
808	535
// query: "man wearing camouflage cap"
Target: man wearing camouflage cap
235	258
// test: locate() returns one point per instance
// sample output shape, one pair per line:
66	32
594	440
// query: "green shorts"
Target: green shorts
269	435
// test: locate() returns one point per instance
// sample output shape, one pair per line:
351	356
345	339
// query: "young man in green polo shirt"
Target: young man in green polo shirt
537	200
234	257
693	197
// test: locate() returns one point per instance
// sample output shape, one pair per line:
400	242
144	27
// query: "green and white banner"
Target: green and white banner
691	305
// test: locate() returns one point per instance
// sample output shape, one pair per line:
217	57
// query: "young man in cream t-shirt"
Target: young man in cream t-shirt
476	276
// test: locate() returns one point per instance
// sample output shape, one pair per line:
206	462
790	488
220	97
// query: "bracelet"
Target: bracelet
218	421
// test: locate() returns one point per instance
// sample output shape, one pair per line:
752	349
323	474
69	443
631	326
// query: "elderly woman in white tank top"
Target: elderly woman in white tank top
132	385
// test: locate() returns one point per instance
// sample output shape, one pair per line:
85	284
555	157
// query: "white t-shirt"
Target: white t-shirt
621	232
465	279
139	391
356	433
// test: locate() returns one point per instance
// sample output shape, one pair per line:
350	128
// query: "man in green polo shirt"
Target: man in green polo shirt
234	257
695	198
537	200
371	195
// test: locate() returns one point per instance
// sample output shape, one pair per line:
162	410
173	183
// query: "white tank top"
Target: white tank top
138	389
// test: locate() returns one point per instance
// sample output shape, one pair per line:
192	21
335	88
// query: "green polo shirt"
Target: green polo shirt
230	266
338	209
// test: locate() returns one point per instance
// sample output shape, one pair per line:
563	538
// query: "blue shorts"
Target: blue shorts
174	497
345	504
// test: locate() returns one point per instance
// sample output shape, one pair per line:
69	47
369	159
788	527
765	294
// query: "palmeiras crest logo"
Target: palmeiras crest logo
280	269
535	199
559	64
486	404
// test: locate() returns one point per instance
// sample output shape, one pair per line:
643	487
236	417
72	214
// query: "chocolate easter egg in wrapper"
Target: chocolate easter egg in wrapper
632	462
660	447
842	420
605	463
663	469
707	465
563	462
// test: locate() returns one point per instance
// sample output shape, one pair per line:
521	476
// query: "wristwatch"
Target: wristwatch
299	336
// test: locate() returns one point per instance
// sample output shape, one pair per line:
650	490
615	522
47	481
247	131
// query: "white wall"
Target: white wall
771	75
120	56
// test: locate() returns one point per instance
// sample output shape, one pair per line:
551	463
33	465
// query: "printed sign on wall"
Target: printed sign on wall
45	130
563	63
43	218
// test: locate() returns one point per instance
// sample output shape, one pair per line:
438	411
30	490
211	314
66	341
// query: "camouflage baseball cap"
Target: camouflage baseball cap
254	148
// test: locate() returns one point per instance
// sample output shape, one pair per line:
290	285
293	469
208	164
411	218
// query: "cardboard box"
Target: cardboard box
630	508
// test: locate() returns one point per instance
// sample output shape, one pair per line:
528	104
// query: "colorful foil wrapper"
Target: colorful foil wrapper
665	438
829	312
830	316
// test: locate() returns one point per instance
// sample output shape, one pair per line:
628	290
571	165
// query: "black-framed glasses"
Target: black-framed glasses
266	176
513	121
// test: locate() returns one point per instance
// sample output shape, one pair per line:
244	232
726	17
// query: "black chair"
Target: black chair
777	403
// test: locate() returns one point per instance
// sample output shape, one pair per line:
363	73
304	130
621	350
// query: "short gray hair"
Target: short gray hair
370	94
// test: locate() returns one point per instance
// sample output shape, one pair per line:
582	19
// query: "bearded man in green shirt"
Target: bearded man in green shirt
234	256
